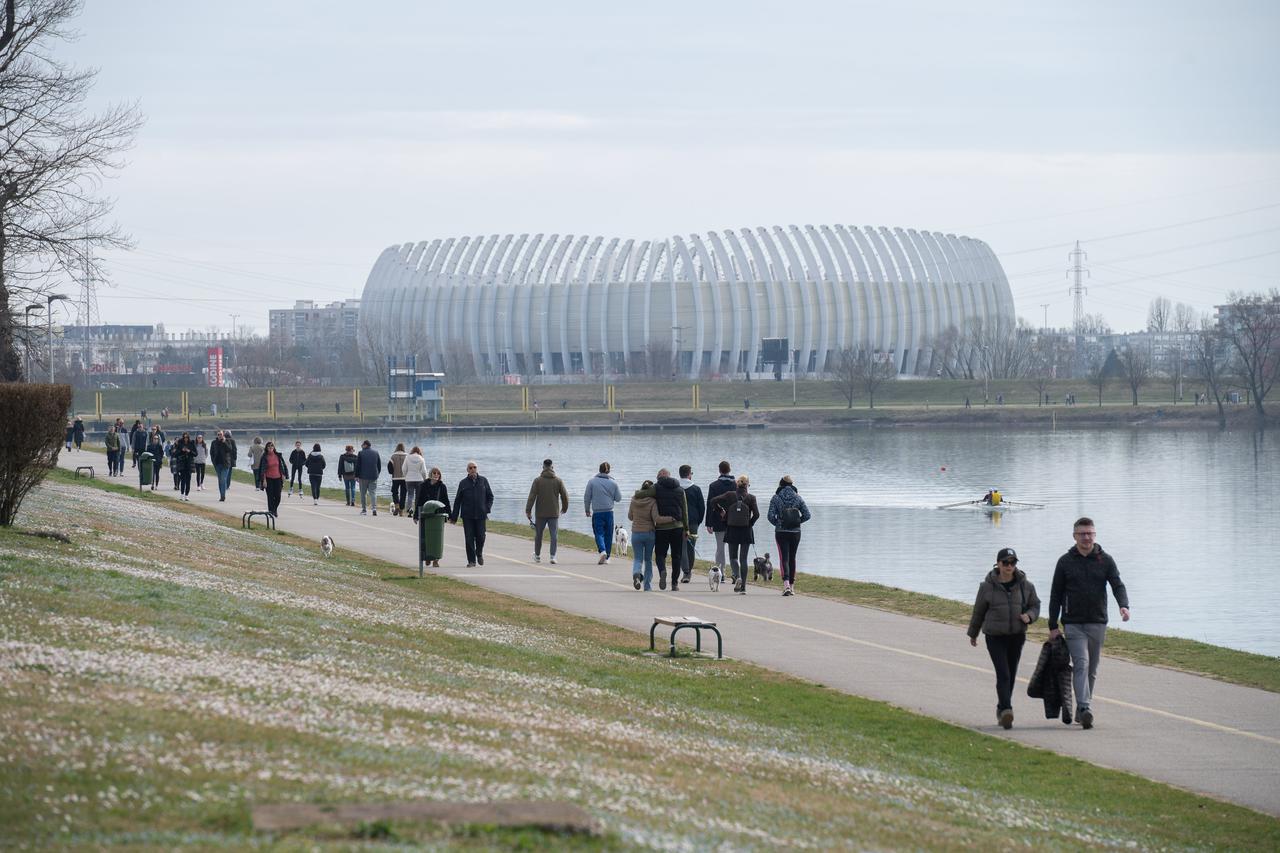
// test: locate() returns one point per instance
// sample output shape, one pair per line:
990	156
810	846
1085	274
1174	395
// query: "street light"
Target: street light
26	350
49	300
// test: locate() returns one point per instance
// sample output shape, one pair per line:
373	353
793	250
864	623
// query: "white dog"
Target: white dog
326	546
621	540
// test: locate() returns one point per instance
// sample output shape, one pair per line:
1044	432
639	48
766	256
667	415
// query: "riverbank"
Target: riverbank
154	699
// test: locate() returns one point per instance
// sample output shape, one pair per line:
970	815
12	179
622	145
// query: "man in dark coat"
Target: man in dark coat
472	502
697	511
716	521
368	469
1079	596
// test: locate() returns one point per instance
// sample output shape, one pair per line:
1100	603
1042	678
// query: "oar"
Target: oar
1024	503
961	503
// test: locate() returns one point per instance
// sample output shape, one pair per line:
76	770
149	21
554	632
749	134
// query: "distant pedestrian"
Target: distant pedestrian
213	410
220	456
155	446
137	440
697	511
1079	597
273	469
548	500
112	443
77	432
235	454
202	459
348	464
787	511
716	516
644	517
255	457
297	466
395	467
315	472
70	434
741	514
599	498
415	474
368	470
1006	604
669	537
473	501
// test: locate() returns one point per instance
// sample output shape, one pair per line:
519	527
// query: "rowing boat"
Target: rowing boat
986	507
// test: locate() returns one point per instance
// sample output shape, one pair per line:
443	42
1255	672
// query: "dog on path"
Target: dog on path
762	567
621	540
326	546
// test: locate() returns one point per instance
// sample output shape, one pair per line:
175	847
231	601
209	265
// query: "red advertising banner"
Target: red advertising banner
214	373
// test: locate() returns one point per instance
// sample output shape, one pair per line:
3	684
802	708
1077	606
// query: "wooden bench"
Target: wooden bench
88	468
246	520
677	623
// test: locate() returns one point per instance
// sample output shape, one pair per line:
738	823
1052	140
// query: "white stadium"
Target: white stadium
573	305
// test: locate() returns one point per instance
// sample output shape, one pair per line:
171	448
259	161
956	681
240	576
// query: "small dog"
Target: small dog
621	540
714	577
326	546
762	567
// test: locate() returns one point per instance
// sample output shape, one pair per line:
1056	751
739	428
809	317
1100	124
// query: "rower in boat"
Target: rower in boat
993	497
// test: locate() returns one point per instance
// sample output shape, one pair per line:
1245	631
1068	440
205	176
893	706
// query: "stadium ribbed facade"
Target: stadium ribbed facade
573	304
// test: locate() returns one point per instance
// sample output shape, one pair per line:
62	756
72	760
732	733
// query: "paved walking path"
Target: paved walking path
1196	733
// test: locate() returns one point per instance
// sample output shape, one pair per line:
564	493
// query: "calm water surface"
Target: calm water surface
1190	517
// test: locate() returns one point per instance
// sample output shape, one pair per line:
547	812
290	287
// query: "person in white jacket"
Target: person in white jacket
415	473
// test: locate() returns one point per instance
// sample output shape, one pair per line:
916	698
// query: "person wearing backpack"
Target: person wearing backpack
715	517
787	511
741	514
348	462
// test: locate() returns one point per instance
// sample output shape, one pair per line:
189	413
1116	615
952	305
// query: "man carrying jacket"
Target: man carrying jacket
697	510
472	502
1079	595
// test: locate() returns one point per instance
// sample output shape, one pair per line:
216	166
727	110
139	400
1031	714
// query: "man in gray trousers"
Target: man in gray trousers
1079	596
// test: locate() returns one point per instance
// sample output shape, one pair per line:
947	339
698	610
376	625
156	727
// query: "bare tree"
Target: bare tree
1159	314
1185	318
1209	363
1135	362
1251	327
845	375
1173	372
659	358
1094	324
1050	359
868	371
1099	374
53	159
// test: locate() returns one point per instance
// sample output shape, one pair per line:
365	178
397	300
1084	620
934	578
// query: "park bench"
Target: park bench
677	623
88	468
246	520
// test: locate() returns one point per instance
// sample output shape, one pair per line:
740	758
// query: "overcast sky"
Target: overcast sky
288	143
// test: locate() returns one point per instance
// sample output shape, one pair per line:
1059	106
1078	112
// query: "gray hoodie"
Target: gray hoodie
602	493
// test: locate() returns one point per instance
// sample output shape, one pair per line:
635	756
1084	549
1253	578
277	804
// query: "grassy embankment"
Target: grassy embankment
166	670
933	401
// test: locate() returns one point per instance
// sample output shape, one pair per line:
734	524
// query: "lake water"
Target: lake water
1191	518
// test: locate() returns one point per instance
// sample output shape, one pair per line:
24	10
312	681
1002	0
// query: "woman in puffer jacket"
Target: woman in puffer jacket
415	474
315	466
644	517
787	511
1006	604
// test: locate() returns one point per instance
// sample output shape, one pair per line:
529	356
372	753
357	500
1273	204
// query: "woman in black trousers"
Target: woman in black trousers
1005	606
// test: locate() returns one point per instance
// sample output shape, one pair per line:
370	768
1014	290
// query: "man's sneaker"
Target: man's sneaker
1006	718
635	580
553	561
375	512
315	502
662	581
364	512
1086	718
537	558
686	578
471	565
675	584
479	559
604	558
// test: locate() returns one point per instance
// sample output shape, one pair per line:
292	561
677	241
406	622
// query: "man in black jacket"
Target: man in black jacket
368	469
472	501
1079	595
717	524
697	511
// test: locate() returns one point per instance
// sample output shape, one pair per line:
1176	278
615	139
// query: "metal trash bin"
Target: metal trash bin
431	517
144	469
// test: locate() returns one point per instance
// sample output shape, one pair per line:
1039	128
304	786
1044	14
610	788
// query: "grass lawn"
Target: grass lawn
166	670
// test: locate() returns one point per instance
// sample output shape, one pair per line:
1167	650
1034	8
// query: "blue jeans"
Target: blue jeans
602	527
350	486
642	548
224	480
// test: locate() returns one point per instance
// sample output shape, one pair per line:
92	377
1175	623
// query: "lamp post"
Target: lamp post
26	350
49	300
795	367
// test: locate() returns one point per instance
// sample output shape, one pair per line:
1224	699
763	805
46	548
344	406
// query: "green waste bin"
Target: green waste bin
431	518
144	469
